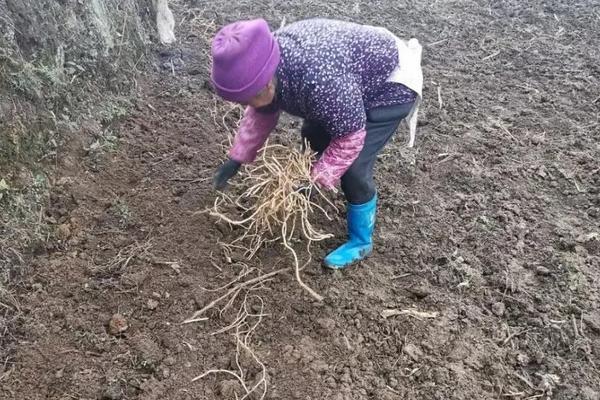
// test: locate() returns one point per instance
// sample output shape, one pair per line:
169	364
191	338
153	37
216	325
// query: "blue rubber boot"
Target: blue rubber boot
361	222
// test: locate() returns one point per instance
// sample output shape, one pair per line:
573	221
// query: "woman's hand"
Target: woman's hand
322	176
224	173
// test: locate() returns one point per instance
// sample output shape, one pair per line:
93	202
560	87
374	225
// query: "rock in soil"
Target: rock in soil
117	325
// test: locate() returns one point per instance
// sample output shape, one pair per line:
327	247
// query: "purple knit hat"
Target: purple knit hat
245	56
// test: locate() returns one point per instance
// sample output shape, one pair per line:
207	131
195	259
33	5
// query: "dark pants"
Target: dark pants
357	183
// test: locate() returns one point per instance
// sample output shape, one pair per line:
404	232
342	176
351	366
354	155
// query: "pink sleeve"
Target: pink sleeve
252	134
337	158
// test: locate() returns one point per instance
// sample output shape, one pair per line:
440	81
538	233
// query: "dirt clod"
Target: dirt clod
523	359
152	304
117	325
592	320
415	353
230	389
63	232
149	352
419	291
326	324
170	361
543	271
498	308
113	392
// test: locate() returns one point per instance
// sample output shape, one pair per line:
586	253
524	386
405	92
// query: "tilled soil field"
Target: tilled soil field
487	243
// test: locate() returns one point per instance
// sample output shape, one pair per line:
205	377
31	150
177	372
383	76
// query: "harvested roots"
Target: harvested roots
277	203
244	328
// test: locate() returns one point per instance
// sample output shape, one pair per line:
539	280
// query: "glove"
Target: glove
224	173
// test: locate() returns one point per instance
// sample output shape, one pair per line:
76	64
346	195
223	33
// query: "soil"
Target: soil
490	224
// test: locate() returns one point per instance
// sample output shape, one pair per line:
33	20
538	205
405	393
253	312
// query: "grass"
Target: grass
21	215
122	211
21	231
108	141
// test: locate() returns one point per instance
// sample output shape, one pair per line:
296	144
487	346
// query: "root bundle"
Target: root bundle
277	204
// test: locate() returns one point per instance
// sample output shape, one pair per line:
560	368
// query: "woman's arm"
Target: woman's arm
337	158
252	134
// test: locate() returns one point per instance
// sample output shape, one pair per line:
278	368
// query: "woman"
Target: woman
352	84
